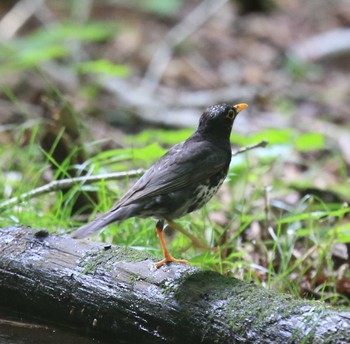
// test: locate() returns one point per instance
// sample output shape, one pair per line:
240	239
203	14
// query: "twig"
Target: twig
175	36
261	144
69	182
17	16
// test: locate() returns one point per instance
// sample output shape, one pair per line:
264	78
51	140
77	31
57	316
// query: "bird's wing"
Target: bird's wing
182	166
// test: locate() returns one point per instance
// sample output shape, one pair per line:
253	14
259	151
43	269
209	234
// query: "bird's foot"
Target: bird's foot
167	256
169	259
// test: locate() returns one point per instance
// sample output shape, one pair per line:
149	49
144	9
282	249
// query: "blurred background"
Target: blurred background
91	87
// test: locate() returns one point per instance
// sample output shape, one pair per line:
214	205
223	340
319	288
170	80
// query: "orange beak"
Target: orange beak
240	107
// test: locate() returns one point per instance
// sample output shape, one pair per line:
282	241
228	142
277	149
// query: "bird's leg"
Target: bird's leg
167	256
195	241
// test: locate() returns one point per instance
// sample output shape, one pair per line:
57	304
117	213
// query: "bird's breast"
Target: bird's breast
204	192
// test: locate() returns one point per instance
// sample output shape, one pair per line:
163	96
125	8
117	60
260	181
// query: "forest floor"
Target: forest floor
105	87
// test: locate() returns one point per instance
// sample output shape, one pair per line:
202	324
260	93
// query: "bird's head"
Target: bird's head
217	120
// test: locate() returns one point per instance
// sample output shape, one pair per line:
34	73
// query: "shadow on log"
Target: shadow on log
114	292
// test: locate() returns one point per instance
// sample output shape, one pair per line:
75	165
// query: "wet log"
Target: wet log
115	292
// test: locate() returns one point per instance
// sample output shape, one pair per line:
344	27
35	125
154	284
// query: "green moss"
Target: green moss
261	309
108	258
246	304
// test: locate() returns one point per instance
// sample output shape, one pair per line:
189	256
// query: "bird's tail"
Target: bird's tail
101	222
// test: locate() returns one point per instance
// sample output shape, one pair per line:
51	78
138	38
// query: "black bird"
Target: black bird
181	181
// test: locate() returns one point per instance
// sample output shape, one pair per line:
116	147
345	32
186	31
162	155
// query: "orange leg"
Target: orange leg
167	256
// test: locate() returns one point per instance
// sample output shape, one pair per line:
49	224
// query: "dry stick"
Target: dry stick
67	183
174	37
17	16
261	144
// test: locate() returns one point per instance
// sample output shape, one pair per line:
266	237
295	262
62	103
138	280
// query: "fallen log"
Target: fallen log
115	292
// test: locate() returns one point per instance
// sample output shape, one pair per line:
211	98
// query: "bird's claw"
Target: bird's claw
168	260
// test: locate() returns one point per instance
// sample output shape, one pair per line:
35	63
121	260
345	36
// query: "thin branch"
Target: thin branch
17	16
63	184
68	183
261	144
174	37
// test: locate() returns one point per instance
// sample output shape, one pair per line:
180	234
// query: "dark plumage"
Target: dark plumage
182	180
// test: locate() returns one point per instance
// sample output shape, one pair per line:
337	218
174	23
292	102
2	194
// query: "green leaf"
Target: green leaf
103	67
49	43
160	6
304	232
315	215
28	58
91	32
310	141
146	154
274	136
37	56
343	233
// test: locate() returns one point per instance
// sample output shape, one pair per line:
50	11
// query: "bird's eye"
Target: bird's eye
231	114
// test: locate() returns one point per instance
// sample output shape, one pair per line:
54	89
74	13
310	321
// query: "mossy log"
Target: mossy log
115	292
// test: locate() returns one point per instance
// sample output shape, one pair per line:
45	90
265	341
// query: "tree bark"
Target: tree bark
115	292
